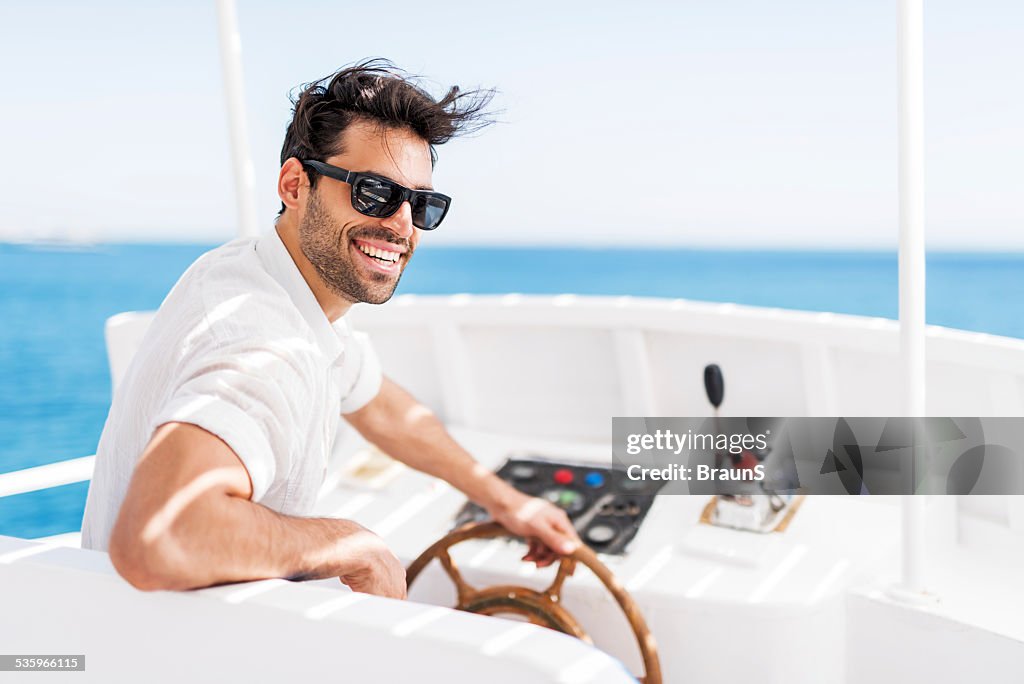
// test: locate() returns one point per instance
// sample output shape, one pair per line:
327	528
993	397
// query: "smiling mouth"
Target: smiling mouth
383	256
378	257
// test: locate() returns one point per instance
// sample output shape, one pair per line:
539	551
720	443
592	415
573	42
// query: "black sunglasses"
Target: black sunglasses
379	197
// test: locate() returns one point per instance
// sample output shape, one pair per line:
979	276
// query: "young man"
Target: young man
217	438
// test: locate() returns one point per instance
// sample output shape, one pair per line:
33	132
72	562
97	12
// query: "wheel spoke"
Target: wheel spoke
566	567
462	587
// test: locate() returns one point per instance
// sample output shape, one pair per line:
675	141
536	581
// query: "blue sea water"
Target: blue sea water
55	387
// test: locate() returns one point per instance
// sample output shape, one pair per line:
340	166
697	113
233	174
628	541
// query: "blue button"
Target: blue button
594	479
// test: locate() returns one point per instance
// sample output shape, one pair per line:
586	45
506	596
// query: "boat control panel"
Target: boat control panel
605	506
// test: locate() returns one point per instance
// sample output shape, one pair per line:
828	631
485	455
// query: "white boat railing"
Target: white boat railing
46	476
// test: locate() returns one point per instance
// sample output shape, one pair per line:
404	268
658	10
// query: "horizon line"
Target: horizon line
58	244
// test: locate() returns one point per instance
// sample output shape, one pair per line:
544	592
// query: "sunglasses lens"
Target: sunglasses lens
375	197
428	210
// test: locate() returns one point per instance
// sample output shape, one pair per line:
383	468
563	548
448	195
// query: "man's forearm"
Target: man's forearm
427	446
188	521
406	430
222	538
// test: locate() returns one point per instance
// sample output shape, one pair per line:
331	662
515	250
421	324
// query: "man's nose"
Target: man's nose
400	223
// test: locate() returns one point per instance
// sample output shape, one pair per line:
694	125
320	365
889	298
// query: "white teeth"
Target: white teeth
378	253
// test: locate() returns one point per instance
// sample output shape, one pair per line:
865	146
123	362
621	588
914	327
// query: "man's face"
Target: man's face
341	243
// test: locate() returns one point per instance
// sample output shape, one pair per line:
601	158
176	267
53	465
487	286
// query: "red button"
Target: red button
562	476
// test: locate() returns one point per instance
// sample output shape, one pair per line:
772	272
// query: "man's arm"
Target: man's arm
187	522
411	433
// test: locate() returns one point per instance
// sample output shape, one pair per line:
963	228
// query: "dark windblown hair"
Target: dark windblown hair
376	91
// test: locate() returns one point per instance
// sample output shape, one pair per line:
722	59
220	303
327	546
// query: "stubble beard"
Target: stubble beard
327	249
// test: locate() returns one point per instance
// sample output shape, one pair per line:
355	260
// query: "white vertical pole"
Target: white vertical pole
231	67
911	266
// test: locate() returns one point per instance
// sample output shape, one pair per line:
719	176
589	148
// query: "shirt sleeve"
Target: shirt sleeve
364	383
249	399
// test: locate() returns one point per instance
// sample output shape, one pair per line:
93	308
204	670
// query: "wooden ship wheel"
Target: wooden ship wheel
539	607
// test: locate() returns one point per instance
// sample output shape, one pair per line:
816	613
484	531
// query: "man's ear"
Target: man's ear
292	183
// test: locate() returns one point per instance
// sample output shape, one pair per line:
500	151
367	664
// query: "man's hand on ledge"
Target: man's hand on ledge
546	527
376	569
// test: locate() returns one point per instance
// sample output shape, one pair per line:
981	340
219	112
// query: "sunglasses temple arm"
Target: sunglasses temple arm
331	171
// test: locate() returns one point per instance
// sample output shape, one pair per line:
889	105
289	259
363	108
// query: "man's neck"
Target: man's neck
334	307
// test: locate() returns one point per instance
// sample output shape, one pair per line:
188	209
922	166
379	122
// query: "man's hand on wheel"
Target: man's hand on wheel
546	527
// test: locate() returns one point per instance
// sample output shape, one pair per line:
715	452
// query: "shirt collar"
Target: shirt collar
282	268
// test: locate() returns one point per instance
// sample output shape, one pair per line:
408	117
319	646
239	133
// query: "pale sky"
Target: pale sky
732	123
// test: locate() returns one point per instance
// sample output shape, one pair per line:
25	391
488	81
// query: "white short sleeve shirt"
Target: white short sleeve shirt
241	348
